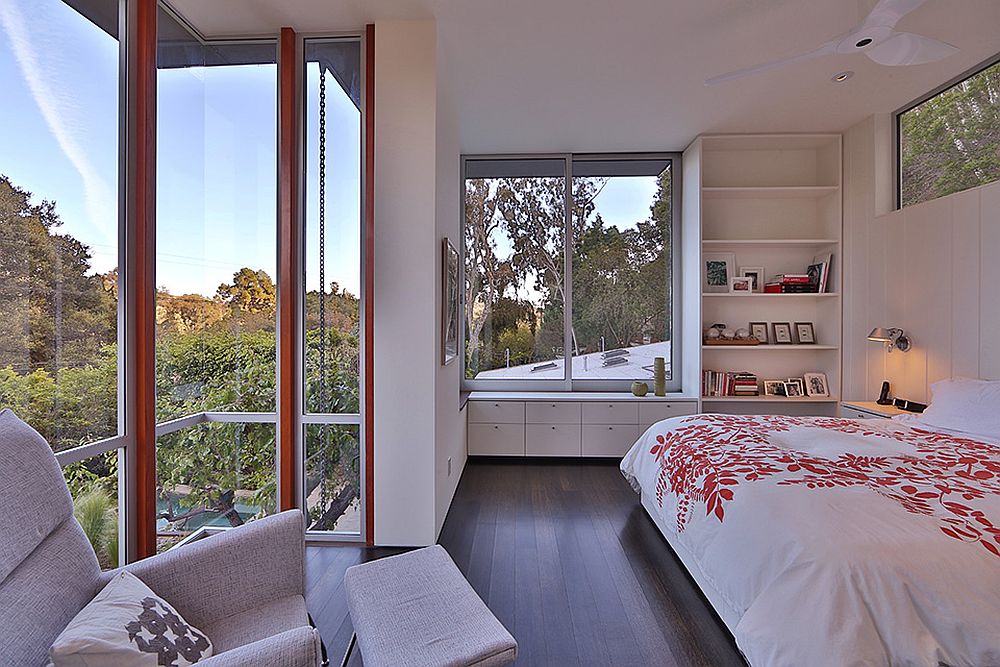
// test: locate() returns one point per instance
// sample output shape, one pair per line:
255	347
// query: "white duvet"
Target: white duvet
835	542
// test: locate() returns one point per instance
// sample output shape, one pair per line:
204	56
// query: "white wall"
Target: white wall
449	421
416	410
405	282
929	269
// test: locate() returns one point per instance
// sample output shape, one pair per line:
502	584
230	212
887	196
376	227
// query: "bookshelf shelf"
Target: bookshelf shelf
772	348
768	399
773	203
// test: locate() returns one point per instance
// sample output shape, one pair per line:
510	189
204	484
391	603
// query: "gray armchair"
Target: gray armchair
243	588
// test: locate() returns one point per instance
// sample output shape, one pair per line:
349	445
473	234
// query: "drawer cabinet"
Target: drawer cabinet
851	413
650	413
552	440
618	412
609	439
496	412
496	439
552	412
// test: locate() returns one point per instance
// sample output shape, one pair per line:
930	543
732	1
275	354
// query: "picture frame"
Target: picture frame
774	387
716	270
794	389
816	385
805	334
759	331
740	285
449	302
782	333
826	262
757	274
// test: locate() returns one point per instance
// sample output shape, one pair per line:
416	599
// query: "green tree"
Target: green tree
951	142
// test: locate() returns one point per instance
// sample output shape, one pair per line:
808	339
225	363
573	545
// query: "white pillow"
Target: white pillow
965	405
127	624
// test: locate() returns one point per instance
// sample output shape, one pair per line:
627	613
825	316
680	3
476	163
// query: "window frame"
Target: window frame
568	383
897	120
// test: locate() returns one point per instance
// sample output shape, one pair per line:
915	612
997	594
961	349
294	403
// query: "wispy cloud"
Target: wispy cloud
58	109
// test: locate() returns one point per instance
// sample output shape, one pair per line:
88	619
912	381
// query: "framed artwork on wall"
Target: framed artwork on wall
449	302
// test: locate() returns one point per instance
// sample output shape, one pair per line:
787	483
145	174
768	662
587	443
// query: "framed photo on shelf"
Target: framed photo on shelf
782	333
774	388
795	388
816	384
759	331
718	268
740	285
756	274
804	333
822	264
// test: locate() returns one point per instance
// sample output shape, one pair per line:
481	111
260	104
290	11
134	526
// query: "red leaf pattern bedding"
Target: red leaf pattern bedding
901	525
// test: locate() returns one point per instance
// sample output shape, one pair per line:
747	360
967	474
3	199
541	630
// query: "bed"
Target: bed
827	541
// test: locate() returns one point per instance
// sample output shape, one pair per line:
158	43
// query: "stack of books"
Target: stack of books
721	383
791	283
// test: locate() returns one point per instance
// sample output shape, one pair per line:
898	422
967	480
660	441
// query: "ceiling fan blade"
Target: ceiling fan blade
887	13
825	50
905	48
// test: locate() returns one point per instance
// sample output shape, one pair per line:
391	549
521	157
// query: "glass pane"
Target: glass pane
332	477
59	217
333	125
216	209
621	268
951	142
213	475
514	269
93	483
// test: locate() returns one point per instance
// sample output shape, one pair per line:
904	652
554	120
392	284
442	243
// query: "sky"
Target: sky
216	145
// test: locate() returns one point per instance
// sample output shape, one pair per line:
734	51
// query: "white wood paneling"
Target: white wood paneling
930	268
989	304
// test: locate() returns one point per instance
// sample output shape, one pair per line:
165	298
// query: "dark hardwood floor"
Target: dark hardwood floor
567	559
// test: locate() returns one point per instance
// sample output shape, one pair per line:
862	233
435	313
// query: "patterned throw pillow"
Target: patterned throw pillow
125	625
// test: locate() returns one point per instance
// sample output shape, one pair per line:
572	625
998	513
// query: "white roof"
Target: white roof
638	365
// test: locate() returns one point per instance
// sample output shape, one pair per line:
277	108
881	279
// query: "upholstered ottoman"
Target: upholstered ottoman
417	609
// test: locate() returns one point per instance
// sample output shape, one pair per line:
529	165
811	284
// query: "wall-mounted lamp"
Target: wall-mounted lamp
892	337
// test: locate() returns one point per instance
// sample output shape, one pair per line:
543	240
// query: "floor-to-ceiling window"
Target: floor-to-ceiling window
59	239
216	202
332	295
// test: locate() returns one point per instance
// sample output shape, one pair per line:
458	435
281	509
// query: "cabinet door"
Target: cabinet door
616	412
609	439
552	440
552	412
650	413
496	439
496	412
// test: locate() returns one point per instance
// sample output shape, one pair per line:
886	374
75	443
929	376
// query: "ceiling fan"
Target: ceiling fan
876	37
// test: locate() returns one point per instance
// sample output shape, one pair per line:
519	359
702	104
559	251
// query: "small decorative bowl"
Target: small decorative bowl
640	388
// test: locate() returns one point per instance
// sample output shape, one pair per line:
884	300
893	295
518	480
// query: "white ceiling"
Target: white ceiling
623	75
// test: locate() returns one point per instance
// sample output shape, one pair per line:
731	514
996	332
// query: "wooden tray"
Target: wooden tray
719	341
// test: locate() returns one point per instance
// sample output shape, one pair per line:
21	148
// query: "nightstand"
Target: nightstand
869	410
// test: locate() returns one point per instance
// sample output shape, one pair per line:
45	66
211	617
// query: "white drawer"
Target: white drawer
650	413
610	413
496	439
552	439
851	413
496	412
608	439
552	412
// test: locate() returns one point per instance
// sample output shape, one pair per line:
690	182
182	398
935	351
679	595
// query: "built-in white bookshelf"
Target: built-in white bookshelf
773	201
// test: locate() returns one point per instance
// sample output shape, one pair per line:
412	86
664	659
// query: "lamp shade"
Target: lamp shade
880	335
